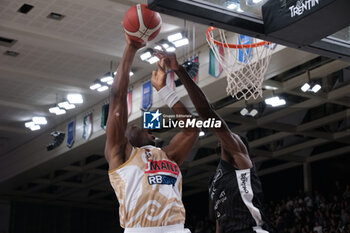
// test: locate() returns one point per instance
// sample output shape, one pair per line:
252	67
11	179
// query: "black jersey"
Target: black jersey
236	196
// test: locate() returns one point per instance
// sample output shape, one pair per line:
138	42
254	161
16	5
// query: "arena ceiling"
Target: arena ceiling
57	57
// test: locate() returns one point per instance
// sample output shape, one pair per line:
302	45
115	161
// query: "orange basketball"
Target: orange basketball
142	24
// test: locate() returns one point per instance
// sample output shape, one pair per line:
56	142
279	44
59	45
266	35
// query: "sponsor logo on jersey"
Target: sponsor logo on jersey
244	181
165	172
162	166
161	179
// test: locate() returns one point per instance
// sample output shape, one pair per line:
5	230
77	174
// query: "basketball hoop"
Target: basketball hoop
244	63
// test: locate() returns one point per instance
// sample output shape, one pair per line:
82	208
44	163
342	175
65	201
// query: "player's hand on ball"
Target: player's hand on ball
158	79
133	43
170	60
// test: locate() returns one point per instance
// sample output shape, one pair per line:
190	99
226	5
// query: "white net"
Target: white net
244	63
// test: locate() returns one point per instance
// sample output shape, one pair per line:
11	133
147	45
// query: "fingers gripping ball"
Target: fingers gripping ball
142	24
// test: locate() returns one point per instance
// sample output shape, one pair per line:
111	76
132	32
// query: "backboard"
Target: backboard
317	26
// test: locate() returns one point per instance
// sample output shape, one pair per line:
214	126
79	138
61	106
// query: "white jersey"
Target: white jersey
149	188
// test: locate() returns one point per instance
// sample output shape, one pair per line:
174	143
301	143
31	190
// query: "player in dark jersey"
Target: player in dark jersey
235	189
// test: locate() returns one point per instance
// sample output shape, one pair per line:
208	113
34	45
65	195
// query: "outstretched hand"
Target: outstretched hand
158	79
133	43
170	60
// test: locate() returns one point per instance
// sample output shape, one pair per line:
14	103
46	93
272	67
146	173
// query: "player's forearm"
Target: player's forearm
121	81
182	114
180	111
169	97
198	98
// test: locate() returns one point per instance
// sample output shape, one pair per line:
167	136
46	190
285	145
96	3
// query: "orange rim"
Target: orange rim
235	46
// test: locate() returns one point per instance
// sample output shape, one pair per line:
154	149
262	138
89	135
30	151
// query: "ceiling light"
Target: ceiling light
171	49
311	87
165	45
271	100
66	105
39	120
256	1
267	87
201	134
232	6
95	86
316	88
54	109
253	112
305	87
60	111
158	47
240	10
114	74
75	98
34	127
103	88
29	124
107	77
153	60
275	101
174	37
145	56
110	82
244	111
181	42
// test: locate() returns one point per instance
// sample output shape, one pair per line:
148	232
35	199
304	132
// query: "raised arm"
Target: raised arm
117	147
181	144
233	147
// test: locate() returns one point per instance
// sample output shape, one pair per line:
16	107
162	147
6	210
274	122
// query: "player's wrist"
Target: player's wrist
159	87
131	47
168	96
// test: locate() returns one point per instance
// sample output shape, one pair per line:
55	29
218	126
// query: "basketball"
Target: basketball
142	24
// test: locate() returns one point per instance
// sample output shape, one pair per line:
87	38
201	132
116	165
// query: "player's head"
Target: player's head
139	137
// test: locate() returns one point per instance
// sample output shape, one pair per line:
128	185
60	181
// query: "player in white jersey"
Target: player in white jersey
147	180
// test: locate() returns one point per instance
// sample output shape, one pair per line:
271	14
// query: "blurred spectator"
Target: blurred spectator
304	213
313	213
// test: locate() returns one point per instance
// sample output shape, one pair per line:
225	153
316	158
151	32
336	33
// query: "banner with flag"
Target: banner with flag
87	126
215	68
129	101
146	95
70	134
170	79
104	115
